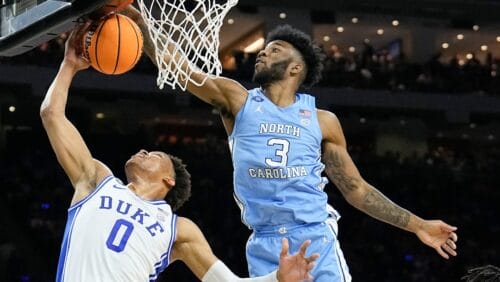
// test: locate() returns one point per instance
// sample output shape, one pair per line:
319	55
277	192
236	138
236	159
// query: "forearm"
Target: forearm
342	171
219	272
372	202
57	94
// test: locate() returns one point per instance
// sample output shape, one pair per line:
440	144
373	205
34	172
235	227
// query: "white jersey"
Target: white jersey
113	235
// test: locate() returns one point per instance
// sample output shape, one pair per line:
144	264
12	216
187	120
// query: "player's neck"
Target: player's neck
147	191
281	93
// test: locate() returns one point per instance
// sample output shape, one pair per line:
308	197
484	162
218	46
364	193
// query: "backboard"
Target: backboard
25	24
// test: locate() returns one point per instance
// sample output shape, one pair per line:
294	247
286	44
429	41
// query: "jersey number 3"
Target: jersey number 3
281	154
118	237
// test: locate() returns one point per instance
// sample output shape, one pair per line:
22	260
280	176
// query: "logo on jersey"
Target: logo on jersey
257	99
305	117
304	113
259	109
162	215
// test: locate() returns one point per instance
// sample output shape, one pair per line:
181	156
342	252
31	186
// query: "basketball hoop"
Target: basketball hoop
187	30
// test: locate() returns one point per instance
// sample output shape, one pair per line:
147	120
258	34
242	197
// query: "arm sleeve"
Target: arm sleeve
220	272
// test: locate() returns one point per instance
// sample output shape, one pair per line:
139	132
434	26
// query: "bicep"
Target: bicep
192	248
339	165
222	93
71	151
341	169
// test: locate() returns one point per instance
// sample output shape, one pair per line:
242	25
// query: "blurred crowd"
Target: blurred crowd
453	182
367	68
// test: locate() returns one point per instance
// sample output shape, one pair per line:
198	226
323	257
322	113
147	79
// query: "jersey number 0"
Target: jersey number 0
119	235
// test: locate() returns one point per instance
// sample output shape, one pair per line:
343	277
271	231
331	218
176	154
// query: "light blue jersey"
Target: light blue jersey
276	156
278	185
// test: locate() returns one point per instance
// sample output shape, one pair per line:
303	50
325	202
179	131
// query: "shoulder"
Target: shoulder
102	171
328	119
330	126
188	239
187	230
85	187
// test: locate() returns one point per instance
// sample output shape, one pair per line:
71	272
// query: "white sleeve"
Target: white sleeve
220	272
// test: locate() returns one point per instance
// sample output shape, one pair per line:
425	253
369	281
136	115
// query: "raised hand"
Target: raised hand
439	236
295	267
73	55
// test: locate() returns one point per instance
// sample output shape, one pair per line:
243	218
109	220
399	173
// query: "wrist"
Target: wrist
416	224
68	67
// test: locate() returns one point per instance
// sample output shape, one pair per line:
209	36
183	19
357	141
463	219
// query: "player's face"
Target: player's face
153	164
272	62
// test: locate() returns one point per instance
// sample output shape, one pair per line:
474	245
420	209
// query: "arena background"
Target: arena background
415	85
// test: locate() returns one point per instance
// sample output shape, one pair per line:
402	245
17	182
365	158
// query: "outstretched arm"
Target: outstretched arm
223	93
69	147
343	173
192	248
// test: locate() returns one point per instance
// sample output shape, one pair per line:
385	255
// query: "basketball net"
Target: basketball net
187	32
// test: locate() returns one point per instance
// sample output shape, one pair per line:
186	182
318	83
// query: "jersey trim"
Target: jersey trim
98	187
165	258
61	266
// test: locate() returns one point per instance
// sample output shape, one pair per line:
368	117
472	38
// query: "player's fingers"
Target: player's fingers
310	266
79	30
447	227
442	253
313	257
303	247
449	250
452	244
284	247
454	236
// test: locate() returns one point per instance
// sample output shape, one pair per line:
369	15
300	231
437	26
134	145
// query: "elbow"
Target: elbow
356	197
48	114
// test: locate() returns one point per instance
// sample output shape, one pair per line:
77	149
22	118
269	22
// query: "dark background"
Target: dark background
425	132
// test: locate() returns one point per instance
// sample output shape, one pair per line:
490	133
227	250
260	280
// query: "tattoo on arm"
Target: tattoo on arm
371	201
380	207
336	171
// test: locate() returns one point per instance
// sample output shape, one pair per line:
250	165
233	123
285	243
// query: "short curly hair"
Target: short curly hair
311	53
181	192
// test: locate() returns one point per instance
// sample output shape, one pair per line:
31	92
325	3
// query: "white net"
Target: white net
186	38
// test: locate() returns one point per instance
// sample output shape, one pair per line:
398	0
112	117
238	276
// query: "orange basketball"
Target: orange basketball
114	45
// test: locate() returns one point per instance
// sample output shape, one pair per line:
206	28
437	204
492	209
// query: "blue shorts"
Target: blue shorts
263	249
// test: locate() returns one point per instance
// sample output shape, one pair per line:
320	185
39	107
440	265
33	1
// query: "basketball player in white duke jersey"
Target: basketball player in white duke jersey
280	144
118	232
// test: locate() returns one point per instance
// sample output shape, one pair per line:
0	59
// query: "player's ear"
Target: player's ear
169	182
296	68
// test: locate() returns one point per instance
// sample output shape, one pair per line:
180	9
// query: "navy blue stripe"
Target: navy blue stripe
173	236
66	244
165	258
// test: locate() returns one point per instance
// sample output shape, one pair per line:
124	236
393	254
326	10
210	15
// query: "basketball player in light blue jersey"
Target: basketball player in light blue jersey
280	145
128	232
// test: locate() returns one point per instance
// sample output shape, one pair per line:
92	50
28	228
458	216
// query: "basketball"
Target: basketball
113	45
